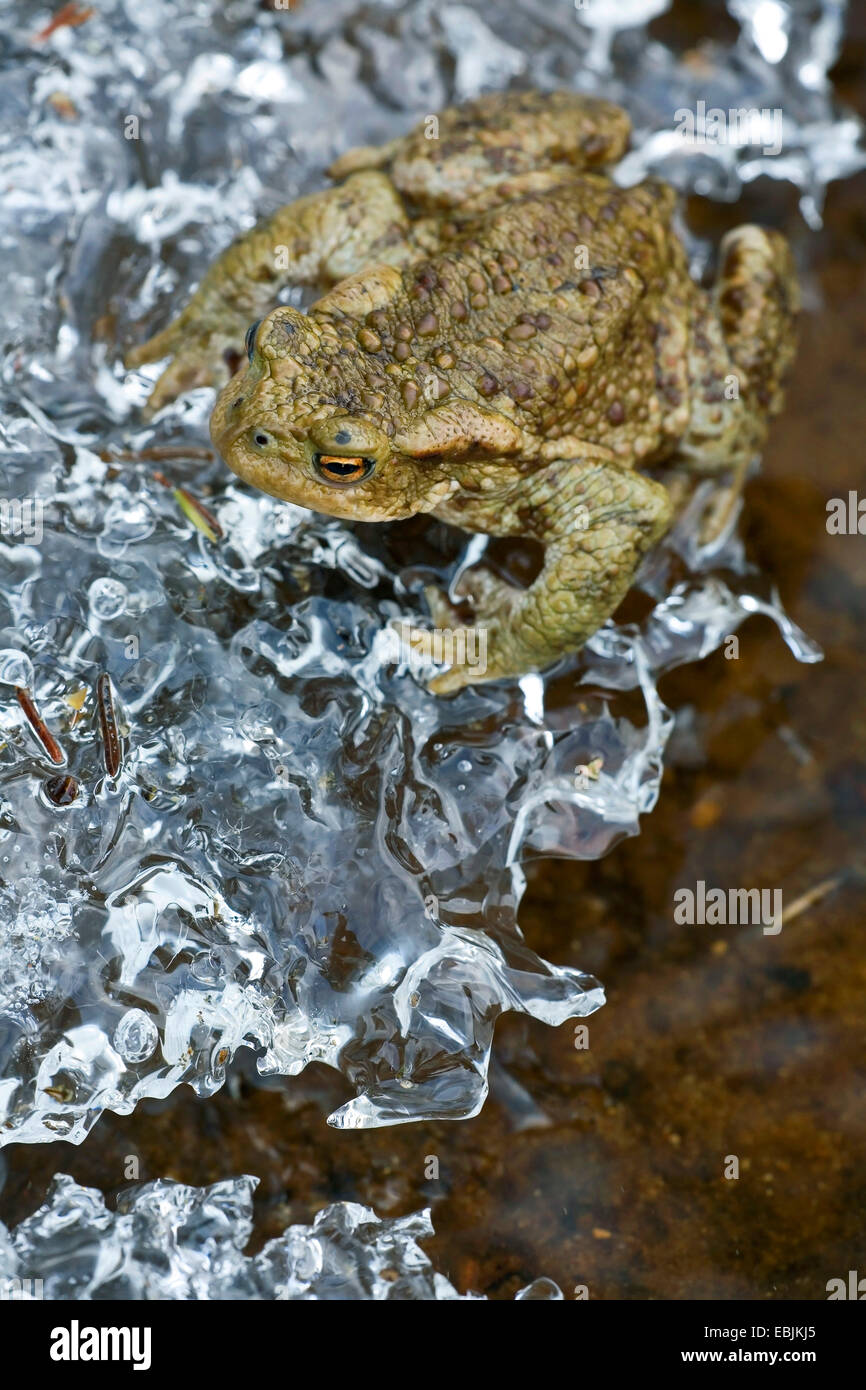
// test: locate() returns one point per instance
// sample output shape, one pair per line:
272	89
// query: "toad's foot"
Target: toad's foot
200	356
724	506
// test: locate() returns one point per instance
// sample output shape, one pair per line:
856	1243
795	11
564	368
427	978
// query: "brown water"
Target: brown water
715	1041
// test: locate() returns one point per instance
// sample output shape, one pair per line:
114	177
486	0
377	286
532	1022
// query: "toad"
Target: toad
508	341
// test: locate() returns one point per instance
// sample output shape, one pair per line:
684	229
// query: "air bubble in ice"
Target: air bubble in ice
125	522
135	1036
16	668
259	723
108	598
304	1258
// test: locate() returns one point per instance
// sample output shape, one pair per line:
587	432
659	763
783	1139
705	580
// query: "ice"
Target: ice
794	129
803	36
304	852
170	1241
483	61
605	19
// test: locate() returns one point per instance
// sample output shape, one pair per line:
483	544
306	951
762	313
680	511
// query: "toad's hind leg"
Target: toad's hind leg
757	300
317	240
596	520
749	343
470	150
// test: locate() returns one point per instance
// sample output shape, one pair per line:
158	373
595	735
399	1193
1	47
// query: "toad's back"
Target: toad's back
551	308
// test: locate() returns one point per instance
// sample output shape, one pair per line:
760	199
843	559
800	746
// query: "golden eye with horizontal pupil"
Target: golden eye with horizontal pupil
250	339
340	471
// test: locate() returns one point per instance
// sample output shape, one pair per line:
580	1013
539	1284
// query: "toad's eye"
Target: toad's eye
250	339
260	438
340	471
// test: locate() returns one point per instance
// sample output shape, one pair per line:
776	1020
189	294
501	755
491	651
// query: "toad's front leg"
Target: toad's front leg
596	521
319	239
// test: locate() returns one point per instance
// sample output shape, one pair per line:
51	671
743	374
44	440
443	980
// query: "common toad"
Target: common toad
509	339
